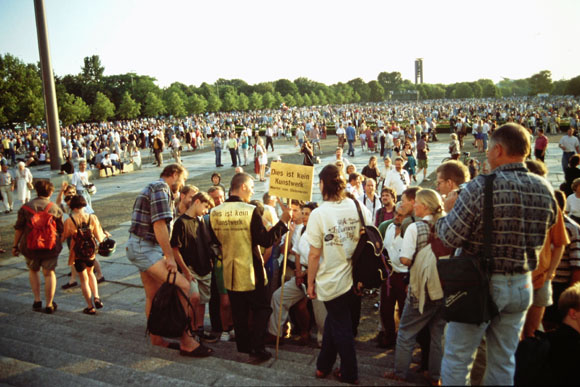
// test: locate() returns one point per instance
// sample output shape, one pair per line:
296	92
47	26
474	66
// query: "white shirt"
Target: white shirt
573	205
399	181
410	241
392	244
570	143
79	180
372	204
335	228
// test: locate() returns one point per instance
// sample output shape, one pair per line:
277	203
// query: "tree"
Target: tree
477	89
390	81
298	100
541	83
72	109
322	98
361	88
264	87
268	100
154	106
377	92
175	105
289	100
314	99
20	92
560	87
92	71
196	104
230	101
141	86
306	100
284	86
488	88
213	103
574	86
255	101
128	108
463	90
279	100
102	109
243	102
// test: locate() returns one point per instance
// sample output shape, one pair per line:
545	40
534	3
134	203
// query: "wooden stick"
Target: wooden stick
282	286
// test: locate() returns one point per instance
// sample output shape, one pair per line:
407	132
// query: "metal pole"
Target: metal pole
50	105
282	287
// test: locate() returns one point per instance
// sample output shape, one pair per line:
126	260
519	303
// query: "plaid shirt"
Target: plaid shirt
154	203
524	209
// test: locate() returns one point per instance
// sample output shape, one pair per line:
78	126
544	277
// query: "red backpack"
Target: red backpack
42	235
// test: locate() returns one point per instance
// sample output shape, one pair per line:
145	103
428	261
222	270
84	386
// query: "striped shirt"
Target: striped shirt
571	257
154	203
524	209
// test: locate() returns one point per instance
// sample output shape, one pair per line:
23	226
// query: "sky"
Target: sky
195	41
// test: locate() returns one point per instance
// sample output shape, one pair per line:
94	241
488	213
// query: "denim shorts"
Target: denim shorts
143	253
543	295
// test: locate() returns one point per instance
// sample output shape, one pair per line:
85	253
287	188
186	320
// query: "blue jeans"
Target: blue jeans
218	157
351	147
411	324
338	337
513	296
565	159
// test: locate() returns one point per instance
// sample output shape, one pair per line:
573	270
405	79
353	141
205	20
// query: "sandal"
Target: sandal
201	351
90	311
51	309
172	346
37	306
69	285
321	375
98	303
338	375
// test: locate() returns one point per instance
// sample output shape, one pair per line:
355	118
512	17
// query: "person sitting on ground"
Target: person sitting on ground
106	163
84	264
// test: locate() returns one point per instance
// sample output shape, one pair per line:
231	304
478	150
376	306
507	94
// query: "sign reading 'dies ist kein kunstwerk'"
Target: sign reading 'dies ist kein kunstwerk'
291	181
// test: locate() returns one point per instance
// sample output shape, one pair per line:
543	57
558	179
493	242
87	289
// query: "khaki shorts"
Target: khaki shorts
35	264
422	163
201	285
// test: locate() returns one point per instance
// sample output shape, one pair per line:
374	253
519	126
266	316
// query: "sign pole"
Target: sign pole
282	285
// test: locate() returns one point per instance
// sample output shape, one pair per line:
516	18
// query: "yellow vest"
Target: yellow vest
231	223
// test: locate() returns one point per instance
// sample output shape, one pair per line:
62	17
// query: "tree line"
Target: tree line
92	96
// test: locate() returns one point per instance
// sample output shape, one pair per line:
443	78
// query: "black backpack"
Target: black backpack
167	317
368	262
85	245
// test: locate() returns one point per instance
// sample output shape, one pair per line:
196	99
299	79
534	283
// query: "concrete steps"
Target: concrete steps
111	348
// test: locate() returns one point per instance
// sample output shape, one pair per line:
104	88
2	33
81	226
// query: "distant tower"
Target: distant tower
418	71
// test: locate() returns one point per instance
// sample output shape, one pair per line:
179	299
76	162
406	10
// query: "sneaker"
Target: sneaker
232	335
427	179
207	337
225	336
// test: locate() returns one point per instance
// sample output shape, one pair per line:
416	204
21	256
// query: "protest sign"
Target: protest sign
291	181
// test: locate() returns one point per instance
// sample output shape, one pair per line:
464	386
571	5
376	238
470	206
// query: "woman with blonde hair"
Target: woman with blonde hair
424	302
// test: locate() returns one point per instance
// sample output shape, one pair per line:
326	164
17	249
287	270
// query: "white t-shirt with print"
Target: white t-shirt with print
335	227
573	205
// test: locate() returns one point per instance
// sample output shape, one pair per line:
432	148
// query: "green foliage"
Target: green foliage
541	83
284	86
268	100
175	105
213	103
298	100
488	88
196	104
377	92
21	97
255	102
463	90
153	106
322	100
306	100
230	101
128	108
279	100
92	71
390	82
102	109
314	99
72	109
560	87
289	100
243	102
574	86
361	88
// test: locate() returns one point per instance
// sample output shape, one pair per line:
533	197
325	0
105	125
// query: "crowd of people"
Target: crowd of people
227	252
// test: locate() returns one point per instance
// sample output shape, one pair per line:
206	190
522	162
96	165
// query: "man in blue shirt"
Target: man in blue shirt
350	137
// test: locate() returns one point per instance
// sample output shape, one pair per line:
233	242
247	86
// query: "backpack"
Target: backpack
167	317
368	262
85	245
42	235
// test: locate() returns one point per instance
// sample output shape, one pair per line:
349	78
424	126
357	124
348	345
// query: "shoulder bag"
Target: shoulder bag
465	279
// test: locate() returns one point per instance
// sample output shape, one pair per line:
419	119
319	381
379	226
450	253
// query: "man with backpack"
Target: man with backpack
37	236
